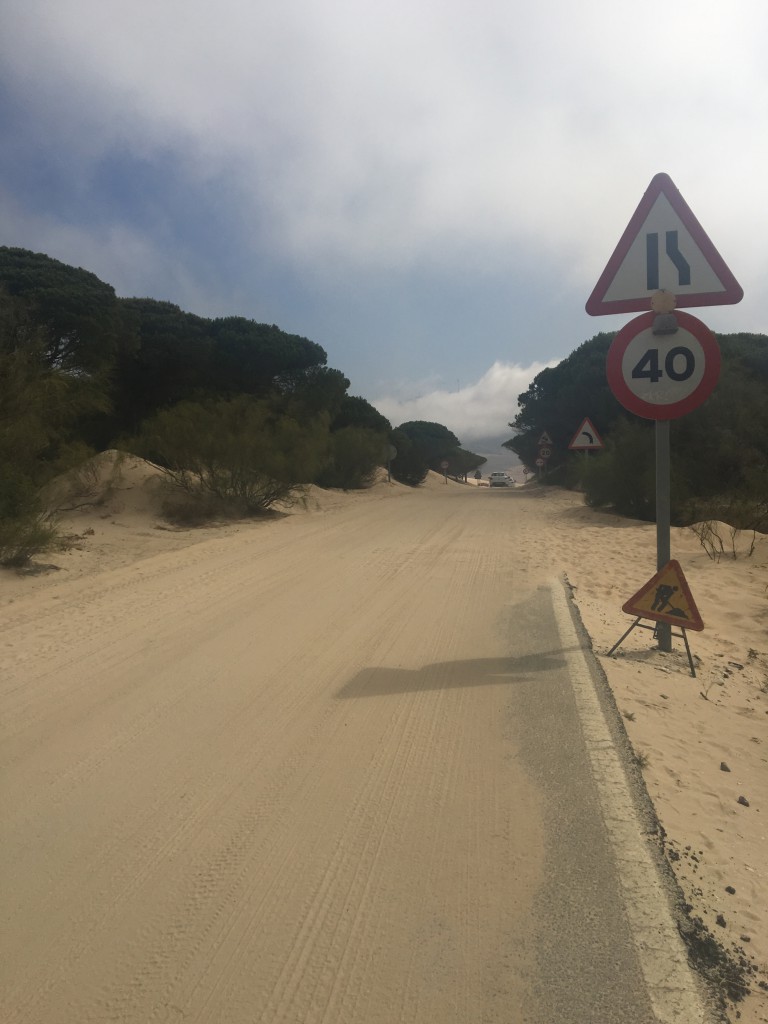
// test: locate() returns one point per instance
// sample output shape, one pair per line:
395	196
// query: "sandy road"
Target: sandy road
324	770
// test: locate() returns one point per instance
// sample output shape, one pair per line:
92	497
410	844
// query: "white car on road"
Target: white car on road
499	480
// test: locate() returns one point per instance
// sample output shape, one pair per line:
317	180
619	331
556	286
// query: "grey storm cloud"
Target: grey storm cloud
359	149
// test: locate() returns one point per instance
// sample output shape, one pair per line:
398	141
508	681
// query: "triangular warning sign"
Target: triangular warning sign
586	438
666	598
545	439
663	247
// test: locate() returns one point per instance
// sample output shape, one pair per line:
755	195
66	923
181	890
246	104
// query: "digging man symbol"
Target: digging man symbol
661	600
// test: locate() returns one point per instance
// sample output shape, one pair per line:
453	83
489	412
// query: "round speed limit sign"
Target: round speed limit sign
661	377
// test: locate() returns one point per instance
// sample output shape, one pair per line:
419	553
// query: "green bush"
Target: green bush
623	477
355	455
22	538
241	452
25	528
39	406
196	508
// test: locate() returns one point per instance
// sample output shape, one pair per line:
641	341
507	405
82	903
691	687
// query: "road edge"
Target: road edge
651	896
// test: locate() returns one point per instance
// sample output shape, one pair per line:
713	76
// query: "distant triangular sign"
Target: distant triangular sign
663	247
545	439
666	598
586	438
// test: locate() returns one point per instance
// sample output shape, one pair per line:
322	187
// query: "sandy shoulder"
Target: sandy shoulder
702	741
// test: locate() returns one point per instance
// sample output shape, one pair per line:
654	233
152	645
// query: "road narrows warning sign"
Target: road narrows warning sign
663	247
666	598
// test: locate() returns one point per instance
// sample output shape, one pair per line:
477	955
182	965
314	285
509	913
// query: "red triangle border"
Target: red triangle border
662	183
695	622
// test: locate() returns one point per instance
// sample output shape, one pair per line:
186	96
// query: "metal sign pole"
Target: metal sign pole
663	552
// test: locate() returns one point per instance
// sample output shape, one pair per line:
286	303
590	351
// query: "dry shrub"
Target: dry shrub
24	537
718	539
88	485
233	458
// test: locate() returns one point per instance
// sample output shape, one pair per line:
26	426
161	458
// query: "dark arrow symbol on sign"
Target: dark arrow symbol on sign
682	265
588	436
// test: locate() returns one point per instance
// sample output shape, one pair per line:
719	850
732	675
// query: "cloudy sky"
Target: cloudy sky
430	190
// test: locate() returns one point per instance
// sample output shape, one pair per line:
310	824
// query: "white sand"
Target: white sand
683	728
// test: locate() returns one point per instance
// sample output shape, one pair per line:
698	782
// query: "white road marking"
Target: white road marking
671	984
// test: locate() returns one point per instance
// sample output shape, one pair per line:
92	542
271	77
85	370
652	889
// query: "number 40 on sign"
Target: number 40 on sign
663	376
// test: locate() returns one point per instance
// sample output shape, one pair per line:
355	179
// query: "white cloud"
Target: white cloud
459	145
402	132
481	410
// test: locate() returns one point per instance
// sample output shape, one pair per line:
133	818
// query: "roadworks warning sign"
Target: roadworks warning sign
666	598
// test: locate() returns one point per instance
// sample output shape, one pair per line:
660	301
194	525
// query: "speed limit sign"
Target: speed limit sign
661	377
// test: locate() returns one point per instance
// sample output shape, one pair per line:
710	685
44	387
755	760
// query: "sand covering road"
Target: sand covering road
129	576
